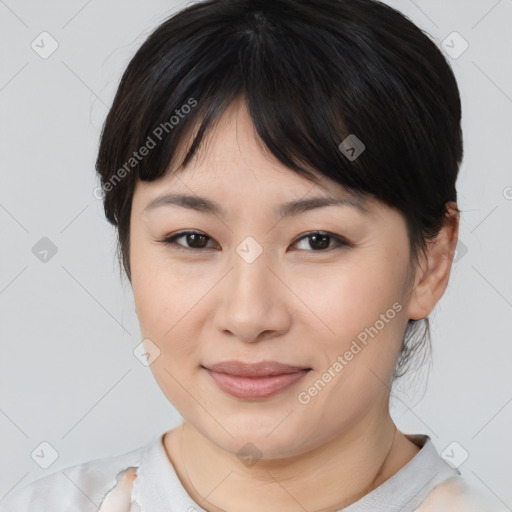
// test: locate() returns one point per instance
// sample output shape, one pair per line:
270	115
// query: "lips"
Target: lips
261	369
254	381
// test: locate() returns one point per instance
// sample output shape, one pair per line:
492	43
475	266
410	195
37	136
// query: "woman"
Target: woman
282	176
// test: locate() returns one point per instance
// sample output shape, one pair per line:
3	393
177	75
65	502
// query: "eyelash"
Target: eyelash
171	241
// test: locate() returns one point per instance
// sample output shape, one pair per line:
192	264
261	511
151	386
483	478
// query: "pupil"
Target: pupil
195	235
322	245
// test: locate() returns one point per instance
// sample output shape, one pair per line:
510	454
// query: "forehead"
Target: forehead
232	164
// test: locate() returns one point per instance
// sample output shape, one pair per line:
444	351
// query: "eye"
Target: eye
319	241
196	239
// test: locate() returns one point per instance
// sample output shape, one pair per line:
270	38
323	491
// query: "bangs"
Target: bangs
305	94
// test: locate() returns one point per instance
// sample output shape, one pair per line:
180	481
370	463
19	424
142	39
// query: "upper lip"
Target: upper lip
260	369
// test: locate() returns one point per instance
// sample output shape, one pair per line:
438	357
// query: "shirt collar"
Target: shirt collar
409	486
157	486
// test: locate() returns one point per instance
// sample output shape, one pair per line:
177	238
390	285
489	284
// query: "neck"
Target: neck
343	470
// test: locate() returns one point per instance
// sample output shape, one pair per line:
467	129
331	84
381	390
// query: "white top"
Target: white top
144	480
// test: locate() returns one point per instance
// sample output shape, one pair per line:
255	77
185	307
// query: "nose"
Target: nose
252	302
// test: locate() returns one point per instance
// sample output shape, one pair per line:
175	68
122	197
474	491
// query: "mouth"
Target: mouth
261	369
255	381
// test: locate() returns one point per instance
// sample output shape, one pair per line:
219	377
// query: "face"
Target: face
254	284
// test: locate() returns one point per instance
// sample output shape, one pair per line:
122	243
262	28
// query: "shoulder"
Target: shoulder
455	494
84	487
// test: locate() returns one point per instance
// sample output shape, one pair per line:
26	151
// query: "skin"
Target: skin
295	304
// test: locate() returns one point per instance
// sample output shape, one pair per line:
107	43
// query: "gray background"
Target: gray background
68	375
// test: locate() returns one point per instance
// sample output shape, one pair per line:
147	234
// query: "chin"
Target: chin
271	439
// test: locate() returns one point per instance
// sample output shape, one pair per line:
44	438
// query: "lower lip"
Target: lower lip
255	387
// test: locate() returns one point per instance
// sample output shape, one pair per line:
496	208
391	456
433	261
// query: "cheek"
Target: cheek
361	304
168	301
158	292
166	316
354	296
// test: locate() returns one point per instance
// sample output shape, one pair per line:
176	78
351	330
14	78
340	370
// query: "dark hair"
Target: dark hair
312	72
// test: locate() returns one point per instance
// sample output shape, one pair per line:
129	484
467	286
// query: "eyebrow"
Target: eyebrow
204	205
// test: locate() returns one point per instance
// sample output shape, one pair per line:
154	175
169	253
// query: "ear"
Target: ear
432	276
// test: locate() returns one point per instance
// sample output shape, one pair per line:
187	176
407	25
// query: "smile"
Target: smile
255	387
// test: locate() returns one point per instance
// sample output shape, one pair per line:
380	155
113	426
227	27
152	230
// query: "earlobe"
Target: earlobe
432	278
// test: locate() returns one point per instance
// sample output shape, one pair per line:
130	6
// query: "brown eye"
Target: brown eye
320	241
193	240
